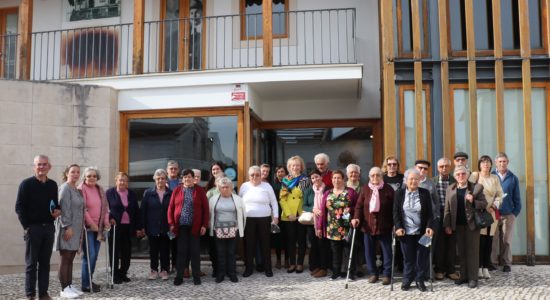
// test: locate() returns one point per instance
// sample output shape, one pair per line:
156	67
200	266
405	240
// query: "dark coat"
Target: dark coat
116	209
155	212
426	214
449	216
379	222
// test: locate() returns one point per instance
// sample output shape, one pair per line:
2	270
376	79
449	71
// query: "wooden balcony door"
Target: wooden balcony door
8	42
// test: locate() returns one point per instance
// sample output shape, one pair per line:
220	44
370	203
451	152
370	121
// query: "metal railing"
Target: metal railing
8	56
305	37
82	53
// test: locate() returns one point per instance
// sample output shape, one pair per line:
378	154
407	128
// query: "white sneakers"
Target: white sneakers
480	273
164	275
68	293
486	274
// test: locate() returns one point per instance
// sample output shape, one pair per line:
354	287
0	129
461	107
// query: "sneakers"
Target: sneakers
153	275
164	275
486	274
480	273
95	287
334	276
76	290
68	293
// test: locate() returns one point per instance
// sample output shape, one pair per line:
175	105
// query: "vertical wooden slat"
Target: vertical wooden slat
267	37
472	77
246	143
546	16
525	46
25	39
444	56
417	55
123	143
499	75
388	83
138	48
241	137
183	36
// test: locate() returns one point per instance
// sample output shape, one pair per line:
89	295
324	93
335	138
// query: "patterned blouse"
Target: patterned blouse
338	215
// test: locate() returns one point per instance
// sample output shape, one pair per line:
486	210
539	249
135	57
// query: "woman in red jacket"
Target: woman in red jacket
188	218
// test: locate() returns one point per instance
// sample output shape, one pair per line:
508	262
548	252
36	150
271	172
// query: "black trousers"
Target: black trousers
319	251
340	249
485	249
159	246
174	252
188	249
415	257
226	257
295	233
38	251
257	229
212	252
445	251
123	249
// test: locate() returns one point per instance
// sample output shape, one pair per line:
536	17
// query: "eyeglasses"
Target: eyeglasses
422	168
375	175
392	164
254	175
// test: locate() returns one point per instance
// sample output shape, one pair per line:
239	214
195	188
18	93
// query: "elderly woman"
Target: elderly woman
261	210
493	194
69	229
96	218
125	214
338	207
353	172
374	212
412	218
154	207
461	201
188	217
318	254
291	199
227	221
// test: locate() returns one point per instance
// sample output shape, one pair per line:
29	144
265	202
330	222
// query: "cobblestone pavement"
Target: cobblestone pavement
522	283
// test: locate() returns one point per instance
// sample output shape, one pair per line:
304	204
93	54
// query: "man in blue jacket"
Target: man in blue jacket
509	210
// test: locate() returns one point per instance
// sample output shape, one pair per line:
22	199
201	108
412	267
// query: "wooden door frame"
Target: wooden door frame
3	24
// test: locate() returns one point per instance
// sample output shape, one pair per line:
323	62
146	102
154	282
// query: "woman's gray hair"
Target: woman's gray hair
90	169
222	181
461	168
352	167
160	172
254	169
376	170
409	172
321	156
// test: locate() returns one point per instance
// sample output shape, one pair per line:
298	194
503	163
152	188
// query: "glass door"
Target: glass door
8	42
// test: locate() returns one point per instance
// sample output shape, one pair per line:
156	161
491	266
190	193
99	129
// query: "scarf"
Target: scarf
317	199
290	182
374	203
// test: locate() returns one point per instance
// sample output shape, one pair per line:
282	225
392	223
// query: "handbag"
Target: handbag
483	218
226	232
306	218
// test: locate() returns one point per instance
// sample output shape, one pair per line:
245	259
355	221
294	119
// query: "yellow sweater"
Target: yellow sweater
291	202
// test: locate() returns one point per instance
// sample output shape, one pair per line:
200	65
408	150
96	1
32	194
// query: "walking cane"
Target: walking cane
88	258
431	270
106	235
392	258
350	256
113	257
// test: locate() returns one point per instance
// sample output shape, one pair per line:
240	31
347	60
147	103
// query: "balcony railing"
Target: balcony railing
8	56
307	37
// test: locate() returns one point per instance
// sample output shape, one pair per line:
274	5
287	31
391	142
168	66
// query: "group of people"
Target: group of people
325	210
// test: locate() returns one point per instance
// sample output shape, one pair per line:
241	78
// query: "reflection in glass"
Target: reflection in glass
540	159
486	127
462	121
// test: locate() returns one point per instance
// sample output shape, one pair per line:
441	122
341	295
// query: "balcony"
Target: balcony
305	37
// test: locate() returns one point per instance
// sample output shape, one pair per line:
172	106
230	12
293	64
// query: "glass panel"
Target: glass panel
344	145
279	24
254	20
514	135
410	129
171	35
462	120
509	24
9	46
534	23
482	21
486	124
540	159
195	34
455	23
424	131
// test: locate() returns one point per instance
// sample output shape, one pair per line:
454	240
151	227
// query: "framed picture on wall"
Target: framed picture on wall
79	10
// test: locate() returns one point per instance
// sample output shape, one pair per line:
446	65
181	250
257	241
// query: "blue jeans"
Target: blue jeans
94	252
370	252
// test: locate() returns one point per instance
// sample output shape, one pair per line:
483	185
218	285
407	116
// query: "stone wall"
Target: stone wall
70	124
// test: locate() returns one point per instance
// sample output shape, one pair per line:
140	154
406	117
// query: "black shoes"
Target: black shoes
233	278
334	276
260	268
125	278
117	280
421	286
472	284
219	279
461	281
269	273
95	288
506	269
178	281
405	286
196	280
491	268
247	273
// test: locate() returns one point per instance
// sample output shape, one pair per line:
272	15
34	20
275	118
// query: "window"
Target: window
252	19
412	145
483	24
8	42
404	28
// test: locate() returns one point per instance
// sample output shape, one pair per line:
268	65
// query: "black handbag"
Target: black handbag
483	218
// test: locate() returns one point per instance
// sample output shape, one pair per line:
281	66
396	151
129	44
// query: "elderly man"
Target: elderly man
173	170
391	172
509	210
37	207
461	158
321	162
445	244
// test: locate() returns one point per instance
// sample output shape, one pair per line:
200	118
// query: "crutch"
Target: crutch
431	269
88	258
109	281
350	256
113	256
392	258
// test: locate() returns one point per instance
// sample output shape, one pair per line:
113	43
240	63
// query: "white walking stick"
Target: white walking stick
88	258
113	256
350	255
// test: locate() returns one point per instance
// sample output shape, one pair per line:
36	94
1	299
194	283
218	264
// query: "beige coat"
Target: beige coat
493	194
449	216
